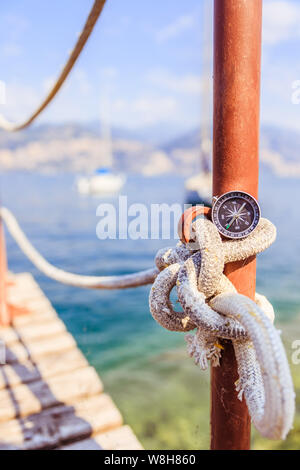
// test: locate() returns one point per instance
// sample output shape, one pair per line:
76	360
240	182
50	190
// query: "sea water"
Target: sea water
141	363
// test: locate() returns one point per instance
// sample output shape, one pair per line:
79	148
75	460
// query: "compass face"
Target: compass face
236	214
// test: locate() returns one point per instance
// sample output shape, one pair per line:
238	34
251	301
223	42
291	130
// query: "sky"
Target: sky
145	56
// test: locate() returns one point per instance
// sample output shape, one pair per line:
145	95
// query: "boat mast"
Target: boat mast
237	57
206	90
106	151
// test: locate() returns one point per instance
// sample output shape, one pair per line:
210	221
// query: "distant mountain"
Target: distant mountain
47	132
279	149
184	141
78	148
284	141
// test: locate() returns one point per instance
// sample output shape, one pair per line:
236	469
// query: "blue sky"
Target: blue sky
147	55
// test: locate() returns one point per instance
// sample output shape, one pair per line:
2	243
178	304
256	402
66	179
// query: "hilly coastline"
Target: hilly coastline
78	148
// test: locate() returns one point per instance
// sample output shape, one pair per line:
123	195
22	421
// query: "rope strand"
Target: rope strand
91	282
83	37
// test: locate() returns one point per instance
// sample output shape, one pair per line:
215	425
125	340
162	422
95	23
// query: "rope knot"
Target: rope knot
211	305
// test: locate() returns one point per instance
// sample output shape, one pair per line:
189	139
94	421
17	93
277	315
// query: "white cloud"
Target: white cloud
75	101
11	49
189	84
144	110
180	25
2	92
154	108
137	111
281	21
79	79
16	27
20	101
82	81
117	28
48	83
108	73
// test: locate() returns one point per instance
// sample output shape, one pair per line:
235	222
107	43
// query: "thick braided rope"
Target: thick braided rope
211	304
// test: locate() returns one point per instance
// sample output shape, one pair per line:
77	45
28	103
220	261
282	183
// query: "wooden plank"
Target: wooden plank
23	400
121	438
26	294
21	280
32	331
41	312
35	304
50	397
55	426
18	352
22	277
48	366
23	286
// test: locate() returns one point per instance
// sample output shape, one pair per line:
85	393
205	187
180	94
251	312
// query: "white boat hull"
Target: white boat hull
100	184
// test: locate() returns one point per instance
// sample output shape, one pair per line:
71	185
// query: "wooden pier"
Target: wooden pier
50	397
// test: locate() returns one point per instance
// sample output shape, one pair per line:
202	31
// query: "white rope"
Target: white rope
92	282
211	304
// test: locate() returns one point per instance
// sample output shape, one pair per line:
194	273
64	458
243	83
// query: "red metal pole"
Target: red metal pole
237	54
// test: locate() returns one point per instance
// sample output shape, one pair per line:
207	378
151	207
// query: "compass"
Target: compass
235	214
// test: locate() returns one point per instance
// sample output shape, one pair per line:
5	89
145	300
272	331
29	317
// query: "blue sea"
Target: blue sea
114	329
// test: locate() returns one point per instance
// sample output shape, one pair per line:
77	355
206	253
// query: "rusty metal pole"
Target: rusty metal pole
237	57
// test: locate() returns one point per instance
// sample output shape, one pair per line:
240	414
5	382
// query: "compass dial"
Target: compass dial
236	214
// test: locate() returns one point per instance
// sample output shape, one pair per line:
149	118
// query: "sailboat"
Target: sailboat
103	181
198	187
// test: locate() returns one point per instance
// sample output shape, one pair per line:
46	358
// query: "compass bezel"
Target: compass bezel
226	197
